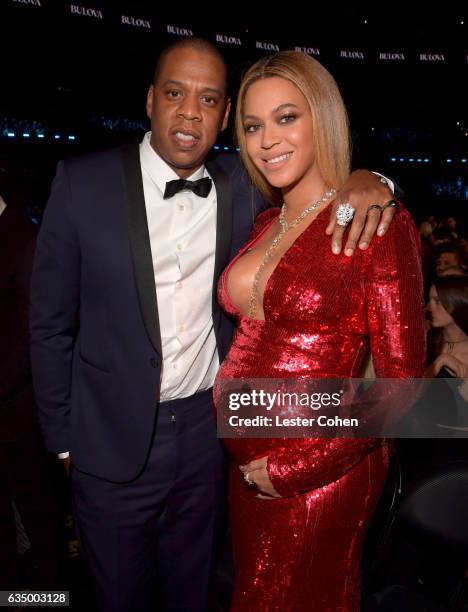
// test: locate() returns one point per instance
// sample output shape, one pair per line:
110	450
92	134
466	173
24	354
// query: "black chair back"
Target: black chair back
435	510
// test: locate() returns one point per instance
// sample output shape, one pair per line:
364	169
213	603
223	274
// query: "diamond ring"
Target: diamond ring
344	214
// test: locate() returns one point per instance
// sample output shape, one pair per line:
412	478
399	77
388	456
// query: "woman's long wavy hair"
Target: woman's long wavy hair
452	292
330	135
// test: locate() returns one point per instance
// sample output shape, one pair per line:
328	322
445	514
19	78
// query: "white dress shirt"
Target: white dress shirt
182	232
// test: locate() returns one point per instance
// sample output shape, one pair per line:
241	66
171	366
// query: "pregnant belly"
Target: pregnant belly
243	450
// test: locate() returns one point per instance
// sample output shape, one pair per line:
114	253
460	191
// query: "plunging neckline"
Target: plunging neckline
269	281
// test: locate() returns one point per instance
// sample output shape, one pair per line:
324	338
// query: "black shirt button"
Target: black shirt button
153	362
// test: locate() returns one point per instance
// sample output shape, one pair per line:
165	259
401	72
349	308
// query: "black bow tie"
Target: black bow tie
201	188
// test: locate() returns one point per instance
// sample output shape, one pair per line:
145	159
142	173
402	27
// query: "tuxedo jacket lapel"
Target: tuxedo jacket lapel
223	226
140	243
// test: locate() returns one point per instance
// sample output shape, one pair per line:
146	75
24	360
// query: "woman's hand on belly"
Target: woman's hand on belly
256	473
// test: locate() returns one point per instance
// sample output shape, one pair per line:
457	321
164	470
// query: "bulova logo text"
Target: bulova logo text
266	46
179	31
432	57
308	50
352	54
228	40
87	12
391	56
135	21
31	2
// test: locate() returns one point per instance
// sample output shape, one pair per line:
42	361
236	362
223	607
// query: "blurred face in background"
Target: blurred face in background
451	223
438	315
446	260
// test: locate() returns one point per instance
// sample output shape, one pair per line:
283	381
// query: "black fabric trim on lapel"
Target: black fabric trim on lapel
140	243
223	224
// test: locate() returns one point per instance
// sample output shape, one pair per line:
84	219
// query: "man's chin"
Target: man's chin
184	164
187	159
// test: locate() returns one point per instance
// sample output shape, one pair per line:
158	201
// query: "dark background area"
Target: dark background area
65	75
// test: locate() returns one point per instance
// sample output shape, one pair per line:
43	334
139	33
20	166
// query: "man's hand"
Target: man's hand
361	190
258	474
66	464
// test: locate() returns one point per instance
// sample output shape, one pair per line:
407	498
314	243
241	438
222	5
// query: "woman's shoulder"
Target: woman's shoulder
401	230
398	249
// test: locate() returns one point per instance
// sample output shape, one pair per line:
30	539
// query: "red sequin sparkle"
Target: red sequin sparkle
323	312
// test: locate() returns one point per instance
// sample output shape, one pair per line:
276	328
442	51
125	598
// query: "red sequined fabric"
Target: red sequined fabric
322	312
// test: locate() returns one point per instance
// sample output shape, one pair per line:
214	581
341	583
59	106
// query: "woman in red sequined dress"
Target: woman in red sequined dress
302	311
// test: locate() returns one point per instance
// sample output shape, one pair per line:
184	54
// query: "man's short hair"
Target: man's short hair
193	42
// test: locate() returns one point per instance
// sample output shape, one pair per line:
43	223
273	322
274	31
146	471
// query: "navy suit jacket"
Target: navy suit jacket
95	339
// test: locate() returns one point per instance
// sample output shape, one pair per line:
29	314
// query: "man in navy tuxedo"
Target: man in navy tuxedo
127	334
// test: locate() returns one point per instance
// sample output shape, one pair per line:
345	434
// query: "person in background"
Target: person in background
448	309
428	246
435	417
452	259
446	231
24	470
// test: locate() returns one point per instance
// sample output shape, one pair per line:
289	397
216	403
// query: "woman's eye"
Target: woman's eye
251	128
287	118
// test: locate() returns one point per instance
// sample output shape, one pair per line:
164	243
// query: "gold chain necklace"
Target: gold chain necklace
285	227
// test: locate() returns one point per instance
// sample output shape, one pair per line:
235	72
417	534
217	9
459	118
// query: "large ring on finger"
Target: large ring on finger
344	214
375	207
391	204
247	478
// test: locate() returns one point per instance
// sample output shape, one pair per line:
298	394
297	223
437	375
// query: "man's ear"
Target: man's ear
226	114
149	101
